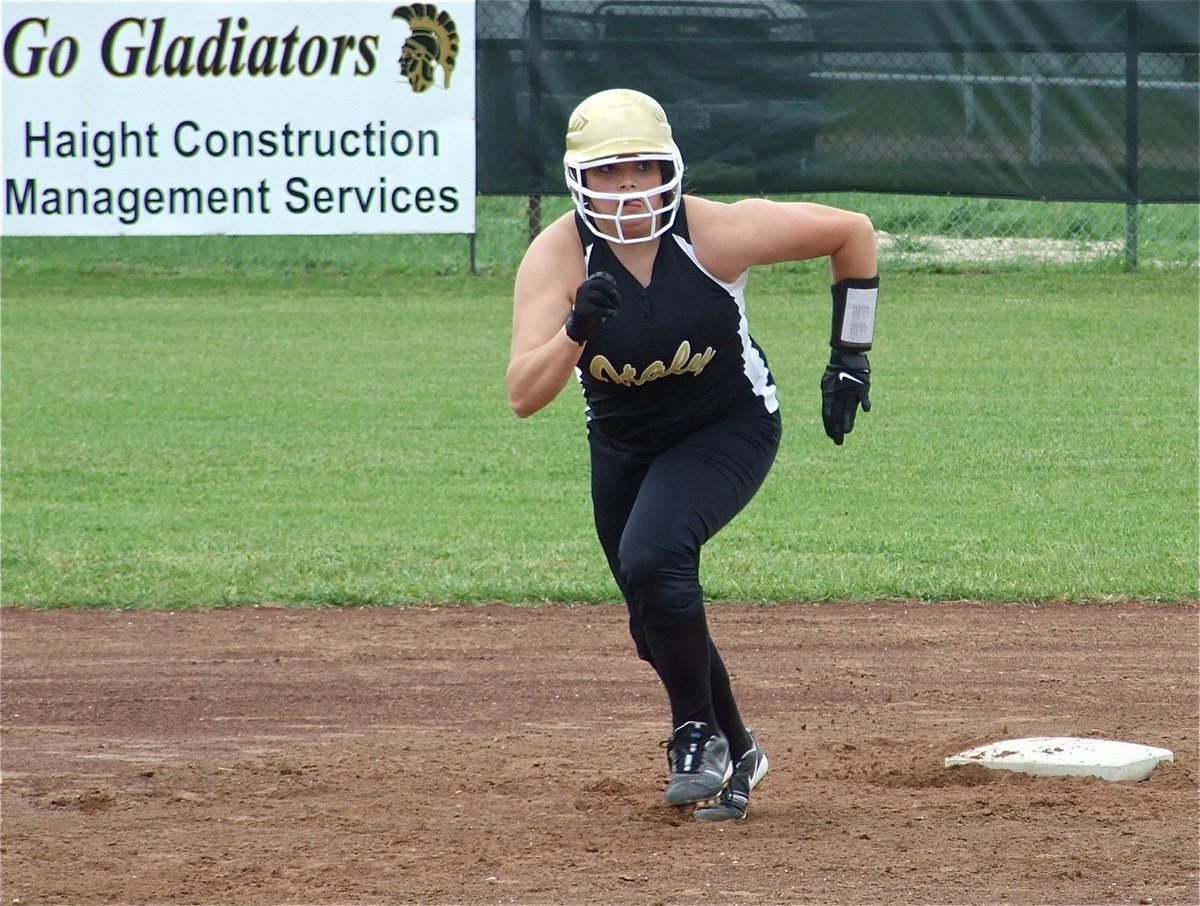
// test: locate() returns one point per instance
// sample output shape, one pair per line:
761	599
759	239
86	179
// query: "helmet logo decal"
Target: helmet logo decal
433	42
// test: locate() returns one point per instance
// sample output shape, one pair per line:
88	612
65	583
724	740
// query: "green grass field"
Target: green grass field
215	421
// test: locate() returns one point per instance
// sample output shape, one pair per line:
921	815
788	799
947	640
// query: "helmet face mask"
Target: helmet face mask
658	204
619	126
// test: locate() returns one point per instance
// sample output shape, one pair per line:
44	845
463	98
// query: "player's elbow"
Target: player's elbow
521	401
530	388
863	229
521	407
858	255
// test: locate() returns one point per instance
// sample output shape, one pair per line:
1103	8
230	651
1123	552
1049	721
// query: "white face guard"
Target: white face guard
660	219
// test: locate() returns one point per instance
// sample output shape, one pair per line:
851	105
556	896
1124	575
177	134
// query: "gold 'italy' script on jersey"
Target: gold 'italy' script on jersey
683	363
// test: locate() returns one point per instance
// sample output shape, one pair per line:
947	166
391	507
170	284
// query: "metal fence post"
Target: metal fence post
533	52
533	215
1131	135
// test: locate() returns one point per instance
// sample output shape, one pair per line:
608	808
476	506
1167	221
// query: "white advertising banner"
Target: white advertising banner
238	117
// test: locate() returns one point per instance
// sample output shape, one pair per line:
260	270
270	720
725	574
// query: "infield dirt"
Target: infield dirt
501	754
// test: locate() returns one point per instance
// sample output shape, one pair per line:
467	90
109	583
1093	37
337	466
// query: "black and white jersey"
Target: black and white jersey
678	355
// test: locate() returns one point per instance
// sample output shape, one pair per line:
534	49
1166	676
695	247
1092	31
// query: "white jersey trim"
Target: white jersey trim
587	406
754	366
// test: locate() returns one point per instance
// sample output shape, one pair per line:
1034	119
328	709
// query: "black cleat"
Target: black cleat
735	798
699	760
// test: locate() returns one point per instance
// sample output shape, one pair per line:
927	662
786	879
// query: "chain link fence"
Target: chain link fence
934	232
971	133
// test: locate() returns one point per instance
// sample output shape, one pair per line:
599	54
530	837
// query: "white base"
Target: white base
1067	756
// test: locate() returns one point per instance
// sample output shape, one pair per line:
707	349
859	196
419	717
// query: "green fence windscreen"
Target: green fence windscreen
1058	99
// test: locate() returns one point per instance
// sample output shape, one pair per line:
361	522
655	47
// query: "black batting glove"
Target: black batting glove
845	385
596	300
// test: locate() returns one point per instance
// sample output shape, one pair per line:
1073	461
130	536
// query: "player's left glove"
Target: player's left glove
845	385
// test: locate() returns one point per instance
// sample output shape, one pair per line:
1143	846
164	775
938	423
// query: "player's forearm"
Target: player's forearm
536	377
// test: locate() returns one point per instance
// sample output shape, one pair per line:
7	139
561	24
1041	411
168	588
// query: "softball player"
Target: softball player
640	293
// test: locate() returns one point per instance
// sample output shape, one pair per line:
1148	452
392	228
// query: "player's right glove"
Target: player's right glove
596	300
845	385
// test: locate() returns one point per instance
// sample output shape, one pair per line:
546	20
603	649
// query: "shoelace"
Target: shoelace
686	761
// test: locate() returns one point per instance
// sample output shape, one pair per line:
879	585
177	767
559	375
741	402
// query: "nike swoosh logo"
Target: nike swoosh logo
842	376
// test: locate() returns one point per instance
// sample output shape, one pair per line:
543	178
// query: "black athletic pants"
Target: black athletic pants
653	513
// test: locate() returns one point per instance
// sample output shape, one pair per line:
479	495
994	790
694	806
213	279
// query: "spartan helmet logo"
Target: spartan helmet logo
433	43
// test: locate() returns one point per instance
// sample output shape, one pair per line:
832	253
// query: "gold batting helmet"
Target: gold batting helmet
614	125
